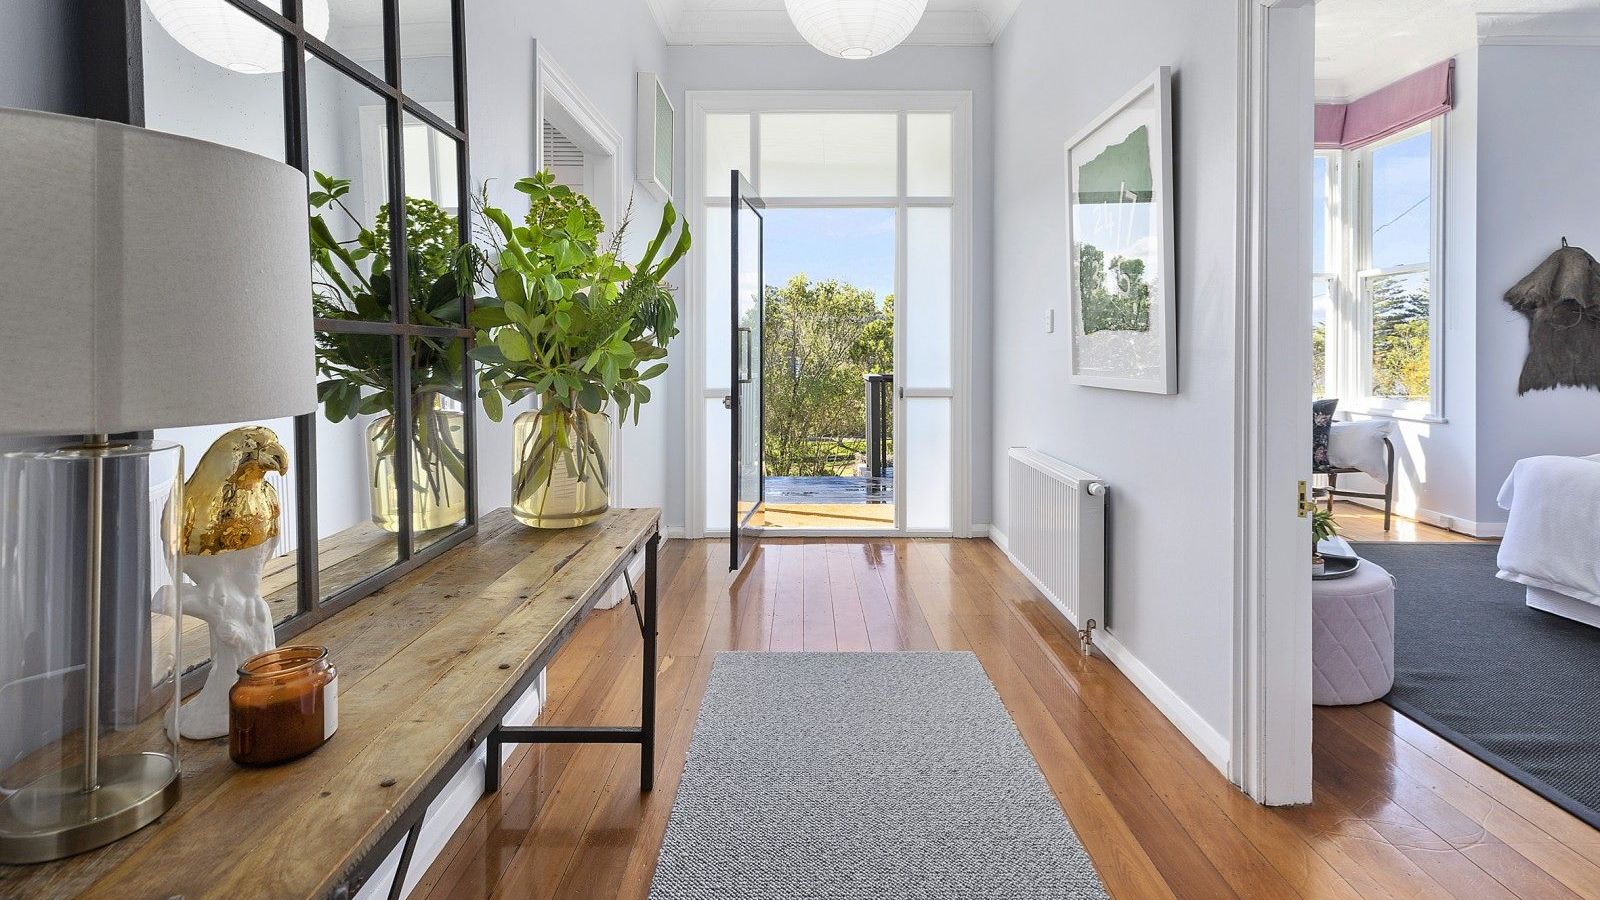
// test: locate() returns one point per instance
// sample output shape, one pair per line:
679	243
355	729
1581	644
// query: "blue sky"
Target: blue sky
852	245
1402	176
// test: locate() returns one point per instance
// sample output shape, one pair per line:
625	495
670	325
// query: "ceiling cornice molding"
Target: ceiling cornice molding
997	26
772	26
663	23
1539	29
768	27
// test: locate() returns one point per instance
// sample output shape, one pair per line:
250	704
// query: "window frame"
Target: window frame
702	198
1348	348
123	80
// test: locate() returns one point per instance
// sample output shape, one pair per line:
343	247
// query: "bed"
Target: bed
1552	540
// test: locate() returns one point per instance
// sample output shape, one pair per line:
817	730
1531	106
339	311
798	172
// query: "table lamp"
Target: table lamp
147	281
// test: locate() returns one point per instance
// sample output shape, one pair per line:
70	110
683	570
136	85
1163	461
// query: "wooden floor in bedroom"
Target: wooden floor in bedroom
1363	523
1399	813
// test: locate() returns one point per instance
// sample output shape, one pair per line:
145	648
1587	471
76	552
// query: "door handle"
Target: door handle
727	402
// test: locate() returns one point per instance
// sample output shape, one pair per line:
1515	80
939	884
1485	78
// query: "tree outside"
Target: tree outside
1319	360
1400	364
820	339
1121	303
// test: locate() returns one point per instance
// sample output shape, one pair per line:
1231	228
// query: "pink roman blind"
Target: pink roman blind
1388	110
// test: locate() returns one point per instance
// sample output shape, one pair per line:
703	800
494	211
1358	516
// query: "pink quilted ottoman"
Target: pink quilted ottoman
1352	637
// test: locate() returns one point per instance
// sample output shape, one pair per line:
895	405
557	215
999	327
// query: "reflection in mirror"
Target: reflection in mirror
438	443
355	28
355	478
433	226
212	72
427	54
226	476
349	217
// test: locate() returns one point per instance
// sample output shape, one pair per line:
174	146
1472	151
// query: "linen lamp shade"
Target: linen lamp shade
148	280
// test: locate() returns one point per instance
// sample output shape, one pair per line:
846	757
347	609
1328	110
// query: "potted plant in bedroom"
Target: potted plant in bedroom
572	323
1322	527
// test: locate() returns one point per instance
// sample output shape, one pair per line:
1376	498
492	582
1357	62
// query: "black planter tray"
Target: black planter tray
1337	567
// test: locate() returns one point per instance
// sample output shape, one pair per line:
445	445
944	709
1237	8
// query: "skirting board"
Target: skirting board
1436	519
618	591
1210	742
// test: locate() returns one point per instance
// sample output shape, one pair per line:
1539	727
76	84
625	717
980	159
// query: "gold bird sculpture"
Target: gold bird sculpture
227	503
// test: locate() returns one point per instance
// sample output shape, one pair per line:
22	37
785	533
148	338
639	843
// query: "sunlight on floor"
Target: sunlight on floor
829	515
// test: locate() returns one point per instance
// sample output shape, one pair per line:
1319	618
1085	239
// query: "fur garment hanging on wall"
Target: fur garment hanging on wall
1561	299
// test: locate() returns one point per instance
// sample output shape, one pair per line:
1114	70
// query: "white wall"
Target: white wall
1539	125
1168	459
600	44
725	68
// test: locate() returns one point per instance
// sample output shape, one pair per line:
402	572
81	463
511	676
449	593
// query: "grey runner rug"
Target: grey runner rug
862	775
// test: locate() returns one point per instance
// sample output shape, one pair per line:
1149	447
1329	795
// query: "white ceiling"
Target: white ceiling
1366	44
947	22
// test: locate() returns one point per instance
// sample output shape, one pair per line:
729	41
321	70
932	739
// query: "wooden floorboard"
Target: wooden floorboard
1399	813
1358	522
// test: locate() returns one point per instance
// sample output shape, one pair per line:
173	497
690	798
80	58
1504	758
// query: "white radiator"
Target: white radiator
1057	536
288	512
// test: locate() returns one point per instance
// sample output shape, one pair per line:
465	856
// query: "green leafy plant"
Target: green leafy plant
570	321
352	281
1323	527
819	338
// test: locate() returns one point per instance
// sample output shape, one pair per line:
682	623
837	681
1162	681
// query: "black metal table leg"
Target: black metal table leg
647	710
491	762
644	734
399	882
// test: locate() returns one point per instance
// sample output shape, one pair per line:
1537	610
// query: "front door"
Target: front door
745	399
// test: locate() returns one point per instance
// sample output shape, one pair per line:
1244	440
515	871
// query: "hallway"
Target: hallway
1399	814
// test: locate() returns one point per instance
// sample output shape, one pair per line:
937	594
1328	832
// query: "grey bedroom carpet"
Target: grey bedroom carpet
863	775
1513	686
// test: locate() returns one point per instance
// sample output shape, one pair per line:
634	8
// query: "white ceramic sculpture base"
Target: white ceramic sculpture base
227	596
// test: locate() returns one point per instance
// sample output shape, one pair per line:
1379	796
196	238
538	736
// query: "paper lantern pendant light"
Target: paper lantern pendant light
855	29
219	33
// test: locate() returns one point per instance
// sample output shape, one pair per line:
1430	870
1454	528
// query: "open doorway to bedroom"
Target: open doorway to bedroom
1455	343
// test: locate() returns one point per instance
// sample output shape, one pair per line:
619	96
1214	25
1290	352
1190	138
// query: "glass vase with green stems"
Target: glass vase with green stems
351	281
568	320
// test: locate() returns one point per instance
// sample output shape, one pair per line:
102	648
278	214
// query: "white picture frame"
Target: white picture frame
655	154
1120	221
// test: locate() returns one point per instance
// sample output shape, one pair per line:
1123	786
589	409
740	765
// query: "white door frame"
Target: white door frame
1270	753
557	99
959	103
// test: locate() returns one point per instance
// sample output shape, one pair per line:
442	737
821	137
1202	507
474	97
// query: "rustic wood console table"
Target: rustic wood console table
428	667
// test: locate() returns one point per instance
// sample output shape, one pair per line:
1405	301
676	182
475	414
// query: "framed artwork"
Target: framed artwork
1120	244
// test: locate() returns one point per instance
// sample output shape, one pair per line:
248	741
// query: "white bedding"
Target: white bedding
1552	536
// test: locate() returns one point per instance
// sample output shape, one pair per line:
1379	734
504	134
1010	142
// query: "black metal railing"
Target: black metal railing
880	422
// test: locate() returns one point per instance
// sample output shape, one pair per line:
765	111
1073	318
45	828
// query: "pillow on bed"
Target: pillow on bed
1359	445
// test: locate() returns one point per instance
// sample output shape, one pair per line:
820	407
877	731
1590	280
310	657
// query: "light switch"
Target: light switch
1049	321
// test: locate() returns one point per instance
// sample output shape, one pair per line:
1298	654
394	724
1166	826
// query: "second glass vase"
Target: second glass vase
562	467
438	468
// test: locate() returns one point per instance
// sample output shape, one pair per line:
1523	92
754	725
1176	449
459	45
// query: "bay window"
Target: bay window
1376	326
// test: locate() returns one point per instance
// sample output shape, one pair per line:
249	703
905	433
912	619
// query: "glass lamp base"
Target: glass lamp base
54	817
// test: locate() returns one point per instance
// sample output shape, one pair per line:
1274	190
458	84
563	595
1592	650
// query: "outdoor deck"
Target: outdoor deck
829	502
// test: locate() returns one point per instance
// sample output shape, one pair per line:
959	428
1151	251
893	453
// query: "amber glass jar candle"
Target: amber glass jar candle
284	705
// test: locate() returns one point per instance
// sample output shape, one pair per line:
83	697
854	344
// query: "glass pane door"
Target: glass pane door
745	397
